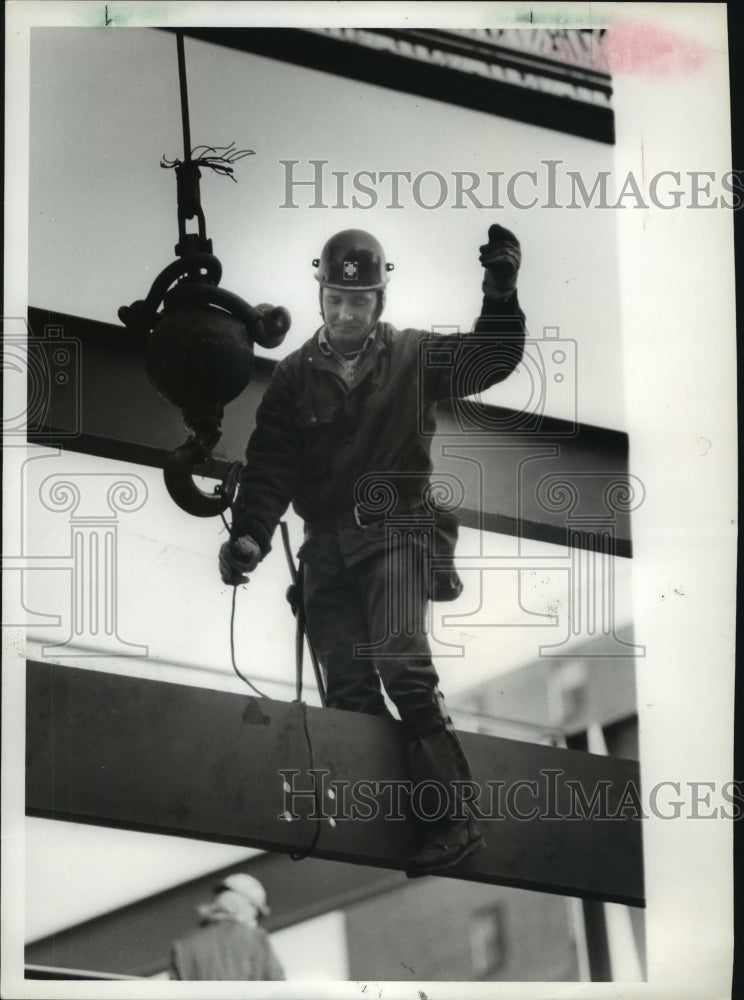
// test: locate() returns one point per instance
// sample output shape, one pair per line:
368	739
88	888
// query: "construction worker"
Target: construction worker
229	944
344	432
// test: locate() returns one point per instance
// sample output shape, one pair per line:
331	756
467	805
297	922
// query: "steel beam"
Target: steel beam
515	478
159	757
432	80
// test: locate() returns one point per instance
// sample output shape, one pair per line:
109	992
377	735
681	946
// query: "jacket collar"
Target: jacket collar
381	338
327	347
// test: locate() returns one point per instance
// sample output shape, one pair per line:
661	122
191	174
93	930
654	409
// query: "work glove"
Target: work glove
238	557
501	257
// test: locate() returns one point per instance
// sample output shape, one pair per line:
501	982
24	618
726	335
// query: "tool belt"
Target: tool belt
445	583
363	517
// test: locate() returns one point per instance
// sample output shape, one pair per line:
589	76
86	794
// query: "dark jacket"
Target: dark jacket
317	439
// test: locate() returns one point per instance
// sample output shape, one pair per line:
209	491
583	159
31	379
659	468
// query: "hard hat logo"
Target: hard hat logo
352	259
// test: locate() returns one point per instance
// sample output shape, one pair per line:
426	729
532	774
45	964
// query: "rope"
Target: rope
217	158
295	855
242	676
250	684
301	855
184	98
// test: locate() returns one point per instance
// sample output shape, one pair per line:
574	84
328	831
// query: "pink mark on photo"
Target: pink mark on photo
650	51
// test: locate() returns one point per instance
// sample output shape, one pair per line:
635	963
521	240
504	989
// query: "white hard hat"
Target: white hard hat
248	887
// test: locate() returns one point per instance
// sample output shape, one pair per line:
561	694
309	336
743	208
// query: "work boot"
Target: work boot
444	847
436	759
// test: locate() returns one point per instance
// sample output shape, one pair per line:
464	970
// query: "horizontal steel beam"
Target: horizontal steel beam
557	482
159	757
432	80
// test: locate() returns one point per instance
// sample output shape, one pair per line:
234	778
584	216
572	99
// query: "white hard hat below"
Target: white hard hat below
248	887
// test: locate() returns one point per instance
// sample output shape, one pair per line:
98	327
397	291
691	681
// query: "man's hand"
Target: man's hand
501	257
237	558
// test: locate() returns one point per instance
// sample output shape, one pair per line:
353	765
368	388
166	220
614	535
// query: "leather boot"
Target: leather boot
437	761
445	846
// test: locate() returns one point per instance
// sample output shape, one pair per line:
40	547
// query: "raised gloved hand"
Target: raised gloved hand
501	257
237	558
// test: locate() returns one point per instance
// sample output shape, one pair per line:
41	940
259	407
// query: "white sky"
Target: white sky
105	109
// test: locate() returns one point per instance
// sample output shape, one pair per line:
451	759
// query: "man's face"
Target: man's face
349	316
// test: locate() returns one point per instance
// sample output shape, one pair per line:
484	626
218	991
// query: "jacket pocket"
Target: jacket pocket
446	584
317	428
308	417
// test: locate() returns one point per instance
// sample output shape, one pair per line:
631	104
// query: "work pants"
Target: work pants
367	618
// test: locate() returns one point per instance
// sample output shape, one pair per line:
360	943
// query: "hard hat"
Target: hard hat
248	887
352	259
